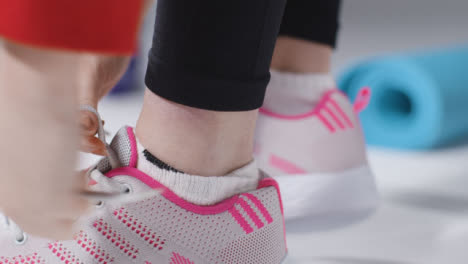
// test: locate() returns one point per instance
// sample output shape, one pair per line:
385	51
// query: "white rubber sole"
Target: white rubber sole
322	201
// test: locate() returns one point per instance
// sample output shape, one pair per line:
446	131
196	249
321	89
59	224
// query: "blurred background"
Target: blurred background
422	174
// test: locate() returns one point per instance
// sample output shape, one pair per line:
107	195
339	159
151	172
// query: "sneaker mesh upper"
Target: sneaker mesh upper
162	228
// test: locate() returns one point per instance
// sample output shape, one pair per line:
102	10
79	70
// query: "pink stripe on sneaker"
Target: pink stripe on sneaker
326	122
175	259
133	148
178	259
314	111
270	182
342	113
171	196
251	213
260	206
337	120
362	99
240	220
284	165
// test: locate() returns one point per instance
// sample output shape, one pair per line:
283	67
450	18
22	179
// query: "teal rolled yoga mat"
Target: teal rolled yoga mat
419	101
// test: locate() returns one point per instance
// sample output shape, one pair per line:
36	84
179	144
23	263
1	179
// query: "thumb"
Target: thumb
89	127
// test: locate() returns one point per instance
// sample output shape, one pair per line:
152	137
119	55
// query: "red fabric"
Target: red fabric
107	26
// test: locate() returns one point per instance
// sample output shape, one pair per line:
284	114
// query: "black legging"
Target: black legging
216	55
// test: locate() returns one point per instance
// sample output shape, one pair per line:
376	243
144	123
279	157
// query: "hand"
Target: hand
98	75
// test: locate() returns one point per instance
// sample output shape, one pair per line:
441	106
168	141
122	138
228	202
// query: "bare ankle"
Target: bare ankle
301	56
196	141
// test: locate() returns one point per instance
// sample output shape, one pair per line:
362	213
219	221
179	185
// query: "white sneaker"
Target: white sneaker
146	223
319	160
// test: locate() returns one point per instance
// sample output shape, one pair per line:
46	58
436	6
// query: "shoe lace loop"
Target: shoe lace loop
10	225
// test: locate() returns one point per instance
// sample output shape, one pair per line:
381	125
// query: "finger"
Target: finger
89	123
92	144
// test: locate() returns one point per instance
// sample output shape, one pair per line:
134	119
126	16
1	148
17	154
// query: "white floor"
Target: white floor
423	218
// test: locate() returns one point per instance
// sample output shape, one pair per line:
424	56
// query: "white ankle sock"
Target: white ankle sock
202	190
292	93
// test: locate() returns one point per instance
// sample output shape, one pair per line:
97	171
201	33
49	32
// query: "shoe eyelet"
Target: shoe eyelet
22	240
127	189
100	204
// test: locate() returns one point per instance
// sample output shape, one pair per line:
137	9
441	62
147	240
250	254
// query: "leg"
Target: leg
307	128
210	78
219	142
307	37
207	75
302	57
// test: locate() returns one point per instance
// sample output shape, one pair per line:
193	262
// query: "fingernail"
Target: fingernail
93	145
99	150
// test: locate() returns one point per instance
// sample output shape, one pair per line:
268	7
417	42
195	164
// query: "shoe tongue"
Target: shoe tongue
124	148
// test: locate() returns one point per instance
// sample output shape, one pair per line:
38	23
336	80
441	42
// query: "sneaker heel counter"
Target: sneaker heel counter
353	138
276	206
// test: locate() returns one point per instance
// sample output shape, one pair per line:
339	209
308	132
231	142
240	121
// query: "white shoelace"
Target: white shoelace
9	225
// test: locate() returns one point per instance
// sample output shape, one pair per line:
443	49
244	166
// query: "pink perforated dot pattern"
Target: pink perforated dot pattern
64	254
140	229
262	251
203	235
269	199
20	259
93	249
269	246
116	239
178	259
